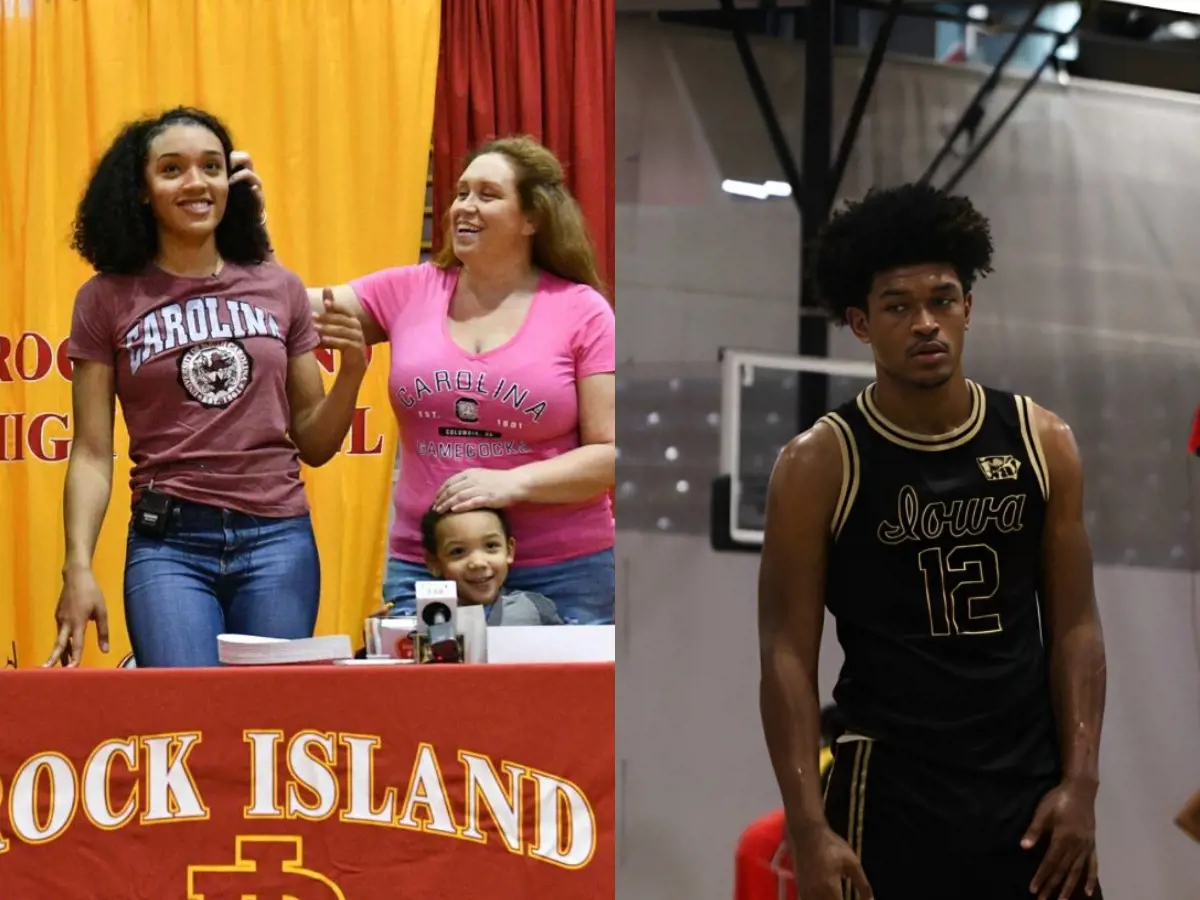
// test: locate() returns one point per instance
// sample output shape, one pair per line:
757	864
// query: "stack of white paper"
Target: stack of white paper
248	650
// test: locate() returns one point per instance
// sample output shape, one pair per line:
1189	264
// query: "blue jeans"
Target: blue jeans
218	572
584	589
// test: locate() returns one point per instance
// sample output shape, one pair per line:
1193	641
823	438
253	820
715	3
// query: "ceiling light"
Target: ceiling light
762	191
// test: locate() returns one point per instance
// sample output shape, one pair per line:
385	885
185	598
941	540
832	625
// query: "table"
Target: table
314	783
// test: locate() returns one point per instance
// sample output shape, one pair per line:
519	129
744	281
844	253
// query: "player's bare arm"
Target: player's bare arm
801	500
1077	671
1075	637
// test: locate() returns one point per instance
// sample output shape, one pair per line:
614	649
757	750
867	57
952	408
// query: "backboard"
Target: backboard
759	399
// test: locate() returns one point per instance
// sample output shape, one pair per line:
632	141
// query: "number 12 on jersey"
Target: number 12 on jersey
957	584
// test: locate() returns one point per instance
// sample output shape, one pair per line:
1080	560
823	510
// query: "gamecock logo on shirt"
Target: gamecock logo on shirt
215	375
265	867
466	409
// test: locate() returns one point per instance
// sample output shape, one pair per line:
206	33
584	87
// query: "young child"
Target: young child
474	550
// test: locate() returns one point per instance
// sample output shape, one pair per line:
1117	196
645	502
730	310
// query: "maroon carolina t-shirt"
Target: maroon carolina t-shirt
201	373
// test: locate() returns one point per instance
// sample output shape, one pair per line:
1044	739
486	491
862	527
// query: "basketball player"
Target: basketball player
941	522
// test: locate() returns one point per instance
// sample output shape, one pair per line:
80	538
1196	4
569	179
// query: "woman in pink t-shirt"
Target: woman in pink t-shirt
503	381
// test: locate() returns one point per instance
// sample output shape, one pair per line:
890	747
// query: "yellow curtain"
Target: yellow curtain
334	99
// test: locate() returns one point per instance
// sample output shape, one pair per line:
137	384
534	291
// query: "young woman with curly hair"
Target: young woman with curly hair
503	380
208	345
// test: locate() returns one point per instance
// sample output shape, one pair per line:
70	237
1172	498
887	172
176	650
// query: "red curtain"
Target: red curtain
539	67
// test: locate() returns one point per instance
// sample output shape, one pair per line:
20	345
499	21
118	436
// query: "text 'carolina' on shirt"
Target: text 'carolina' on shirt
201	373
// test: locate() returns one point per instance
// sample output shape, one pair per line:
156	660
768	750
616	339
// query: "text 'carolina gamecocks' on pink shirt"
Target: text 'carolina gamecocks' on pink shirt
500	409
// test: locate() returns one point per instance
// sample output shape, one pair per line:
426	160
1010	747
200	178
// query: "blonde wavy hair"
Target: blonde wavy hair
561	243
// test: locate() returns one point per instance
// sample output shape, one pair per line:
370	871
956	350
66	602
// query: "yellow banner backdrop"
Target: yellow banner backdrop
334	99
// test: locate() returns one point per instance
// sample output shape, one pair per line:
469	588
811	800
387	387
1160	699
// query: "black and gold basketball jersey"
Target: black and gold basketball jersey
933	577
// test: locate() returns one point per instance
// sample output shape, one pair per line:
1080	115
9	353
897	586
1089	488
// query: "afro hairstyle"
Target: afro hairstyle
115	229
909	225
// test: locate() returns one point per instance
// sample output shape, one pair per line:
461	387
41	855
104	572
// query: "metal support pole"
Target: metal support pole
982	144
859	109
974	111
817	198
762	97
990	135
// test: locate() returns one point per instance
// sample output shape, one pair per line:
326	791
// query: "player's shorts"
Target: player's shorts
929	832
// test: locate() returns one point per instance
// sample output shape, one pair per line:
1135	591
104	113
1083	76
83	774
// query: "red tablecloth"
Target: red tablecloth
315	783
